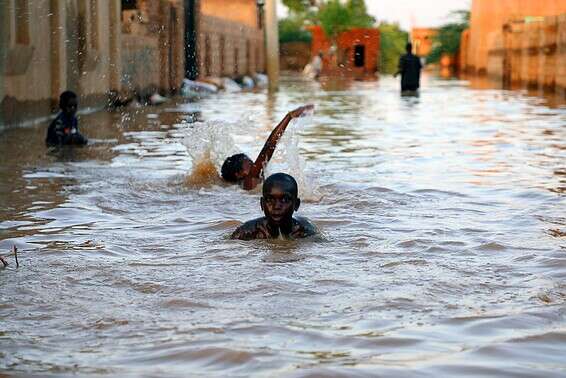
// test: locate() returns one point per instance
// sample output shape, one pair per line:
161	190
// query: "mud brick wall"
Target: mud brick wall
229	48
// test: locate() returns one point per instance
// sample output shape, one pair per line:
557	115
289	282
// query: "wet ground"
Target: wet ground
444	250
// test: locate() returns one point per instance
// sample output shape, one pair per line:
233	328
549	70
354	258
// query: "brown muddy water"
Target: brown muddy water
444	250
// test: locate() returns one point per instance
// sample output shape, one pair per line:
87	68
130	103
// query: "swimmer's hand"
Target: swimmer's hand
301	110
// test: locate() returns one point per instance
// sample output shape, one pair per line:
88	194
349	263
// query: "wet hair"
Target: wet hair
232	166
284	180
66	96
409	47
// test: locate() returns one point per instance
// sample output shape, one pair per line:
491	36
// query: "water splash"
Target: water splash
287	159
210	143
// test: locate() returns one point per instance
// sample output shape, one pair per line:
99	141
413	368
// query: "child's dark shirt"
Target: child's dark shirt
64	130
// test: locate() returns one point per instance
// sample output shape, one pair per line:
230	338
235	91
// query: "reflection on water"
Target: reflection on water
443	248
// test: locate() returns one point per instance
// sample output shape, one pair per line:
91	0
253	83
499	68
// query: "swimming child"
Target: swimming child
64	130
279	202
241	169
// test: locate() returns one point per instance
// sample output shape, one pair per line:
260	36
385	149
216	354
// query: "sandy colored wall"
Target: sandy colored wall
561	56
530	54
67	45
464	50
152	47
241	11
229	48
4	41
27	73
489	16
140	63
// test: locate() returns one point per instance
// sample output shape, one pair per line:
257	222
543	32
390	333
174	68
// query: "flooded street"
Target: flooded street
443	249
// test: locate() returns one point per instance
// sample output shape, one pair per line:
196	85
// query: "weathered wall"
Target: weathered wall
152	51
489	16
369	38
530	54
344	57
229	48
53	46
140	63
561	56
464	50
241	11
294	56
4	43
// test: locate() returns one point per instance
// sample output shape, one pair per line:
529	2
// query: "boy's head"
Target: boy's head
409	47
280	198
236	167
68	103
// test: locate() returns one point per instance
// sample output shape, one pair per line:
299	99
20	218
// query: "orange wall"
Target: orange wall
422	40
346	41
242	11
367	37
489	16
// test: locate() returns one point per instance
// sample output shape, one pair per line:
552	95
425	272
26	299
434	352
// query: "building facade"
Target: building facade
422	40
48	46
230	38
488	18
355	52
152	46
95	47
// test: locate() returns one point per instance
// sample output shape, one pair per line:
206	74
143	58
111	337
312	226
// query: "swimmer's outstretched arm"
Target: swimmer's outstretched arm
269	146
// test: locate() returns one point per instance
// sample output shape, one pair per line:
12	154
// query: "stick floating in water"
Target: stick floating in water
15	249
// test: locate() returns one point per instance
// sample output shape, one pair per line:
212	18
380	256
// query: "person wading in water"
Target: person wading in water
410	70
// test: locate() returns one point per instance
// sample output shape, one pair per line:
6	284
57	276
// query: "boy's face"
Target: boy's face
70	107
245	171
279	204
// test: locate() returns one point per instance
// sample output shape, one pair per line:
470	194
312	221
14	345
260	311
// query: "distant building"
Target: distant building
49	46
152	45
230	38
422	40
488	18
138	46
356	52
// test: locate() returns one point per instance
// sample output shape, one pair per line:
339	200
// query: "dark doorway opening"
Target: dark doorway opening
359	55
129	4
191	59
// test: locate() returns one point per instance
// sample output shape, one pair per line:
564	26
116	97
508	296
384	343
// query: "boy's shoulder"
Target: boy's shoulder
303	228
252	229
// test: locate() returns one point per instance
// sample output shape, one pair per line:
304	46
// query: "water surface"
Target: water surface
443	254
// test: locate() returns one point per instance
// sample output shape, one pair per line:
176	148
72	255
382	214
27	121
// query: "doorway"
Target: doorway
359	56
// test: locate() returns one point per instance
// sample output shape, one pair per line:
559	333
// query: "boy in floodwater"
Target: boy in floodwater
241	169
279	201
64	130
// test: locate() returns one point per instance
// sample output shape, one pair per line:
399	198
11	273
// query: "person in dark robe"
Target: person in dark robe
410	70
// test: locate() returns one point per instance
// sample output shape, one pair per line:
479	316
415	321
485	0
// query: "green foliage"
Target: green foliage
359	14
392	46
447	41
336	17
297	6
291	30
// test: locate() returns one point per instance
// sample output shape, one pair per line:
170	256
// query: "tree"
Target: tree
336	17
447	40
392	46
297	6
291	30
